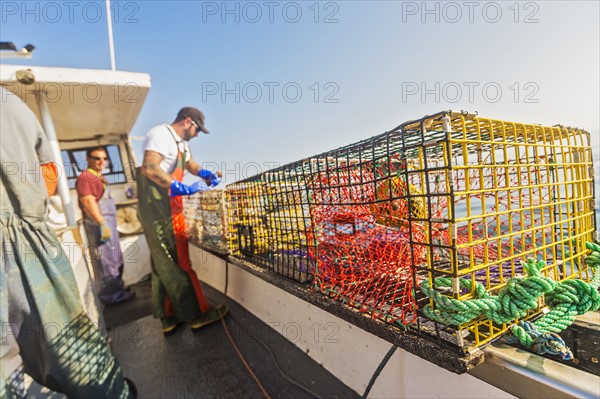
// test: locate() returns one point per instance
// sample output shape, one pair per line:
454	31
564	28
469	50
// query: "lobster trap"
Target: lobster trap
513	191
267	224
450	195
205	220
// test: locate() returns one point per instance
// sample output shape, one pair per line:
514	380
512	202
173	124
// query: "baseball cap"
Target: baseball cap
194	113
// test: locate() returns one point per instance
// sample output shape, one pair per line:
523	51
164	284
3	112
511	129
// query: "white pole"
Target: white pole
110	36
65	196
63	185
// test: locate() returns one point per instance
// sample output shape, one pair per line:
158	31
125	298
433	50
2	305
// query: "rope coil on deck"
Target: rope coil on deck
566	300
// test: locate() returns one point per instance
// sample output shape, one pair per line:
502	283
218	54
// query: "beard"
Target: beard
187	134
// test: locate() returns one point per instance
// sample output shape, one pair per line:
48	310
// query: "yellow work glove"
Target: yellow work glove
105	233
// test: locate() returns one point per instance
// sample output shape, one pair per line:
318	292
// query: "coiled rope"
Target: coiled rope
566	300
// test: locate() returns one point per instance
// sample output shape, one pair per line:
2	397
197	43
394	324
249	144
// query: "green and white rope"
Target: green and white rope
566	300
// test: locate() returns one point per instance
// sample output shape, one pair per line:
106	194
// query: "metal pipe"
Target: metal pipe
63	186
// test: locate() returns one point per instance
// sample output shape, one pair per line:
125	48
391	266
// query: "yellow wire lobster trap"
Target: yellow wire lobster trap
267	225
514	191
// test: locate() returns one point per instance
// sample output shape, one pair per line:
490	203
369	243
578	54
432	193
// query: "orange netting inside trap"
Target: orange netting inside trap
363	241
377	230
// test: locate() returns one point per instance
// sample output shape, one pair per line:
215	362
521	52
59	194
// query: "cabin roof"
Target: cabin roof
84	103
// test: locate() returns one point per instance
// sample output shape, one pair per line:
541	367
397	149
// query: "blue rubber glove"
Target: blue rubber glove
200	185
212	178
215	182
178	188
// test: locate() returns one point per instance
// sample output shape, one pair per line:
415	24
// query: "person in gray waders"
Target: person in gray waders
44	330
99	217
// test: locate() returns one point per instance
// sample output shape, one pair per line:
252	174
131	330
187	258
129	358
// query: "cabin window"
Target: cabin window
75	162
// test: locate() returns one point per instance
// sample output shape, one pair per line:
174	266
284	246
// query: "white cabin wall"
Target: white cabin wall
348	352
136	258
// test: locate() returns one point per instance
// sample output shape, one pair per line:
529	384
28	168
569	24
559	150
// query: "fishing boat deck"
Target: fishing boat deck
205	364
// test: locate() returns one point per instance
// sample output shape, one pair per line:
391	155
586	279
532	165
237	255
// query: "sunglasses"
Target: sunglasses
99	158
196	125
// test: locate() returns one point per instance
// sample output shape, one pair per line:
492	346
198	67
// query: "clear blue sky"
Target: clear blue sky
361	66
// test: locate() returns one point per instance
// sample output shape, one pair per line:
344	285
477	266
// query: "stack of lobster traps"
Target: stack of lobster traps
450	197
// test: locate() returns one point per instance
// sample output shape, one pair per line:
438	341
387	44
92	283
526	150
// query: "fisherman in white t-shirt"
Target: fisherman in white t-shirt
177	296
167	144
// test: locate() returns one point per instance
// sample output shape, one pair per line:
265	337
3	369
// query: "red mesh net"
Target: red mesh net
373	223
362	261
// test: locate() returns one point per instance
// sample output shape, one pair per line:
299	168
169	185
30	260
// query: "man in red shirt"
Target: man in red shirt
99	216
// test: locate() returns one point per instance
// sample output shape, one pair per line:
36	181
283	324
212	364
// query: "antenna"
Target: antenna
110	36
